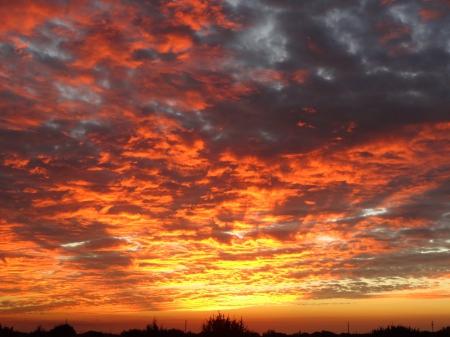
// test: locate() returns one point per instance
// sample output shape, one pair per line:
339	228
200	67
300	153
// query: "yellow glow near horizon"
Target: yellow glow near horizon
164	158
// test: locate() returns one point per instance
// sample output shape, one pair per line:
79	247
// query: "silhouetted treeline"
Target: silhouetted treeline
218	326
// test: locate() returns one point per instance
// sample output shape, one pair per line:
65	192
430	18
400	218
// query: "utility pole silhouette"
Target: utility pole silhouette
432	326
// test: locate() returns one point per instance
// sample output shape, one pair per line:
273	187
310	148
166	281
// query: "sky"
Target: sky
283	160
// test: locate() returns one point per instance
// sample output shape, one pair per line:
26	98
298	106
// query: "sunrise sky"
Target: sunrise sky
283	160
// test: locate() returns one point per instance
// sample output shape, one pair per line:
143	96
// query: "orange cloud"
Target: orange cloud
151	160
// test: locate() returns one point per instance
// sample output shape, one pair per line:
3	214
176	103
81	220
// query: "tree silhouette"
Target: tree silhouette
153	329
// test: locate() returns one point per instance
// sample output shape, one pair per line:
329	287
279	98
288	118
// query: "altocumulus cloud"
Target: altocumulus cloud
161	155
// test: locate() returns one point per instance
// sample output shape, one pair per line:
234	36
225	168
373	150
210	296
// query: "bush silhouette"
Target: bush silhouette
222	326
6	332
39	332
323	333
273	333
444	332
395	331
62	330
172	333
92	333
132	333
219	326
